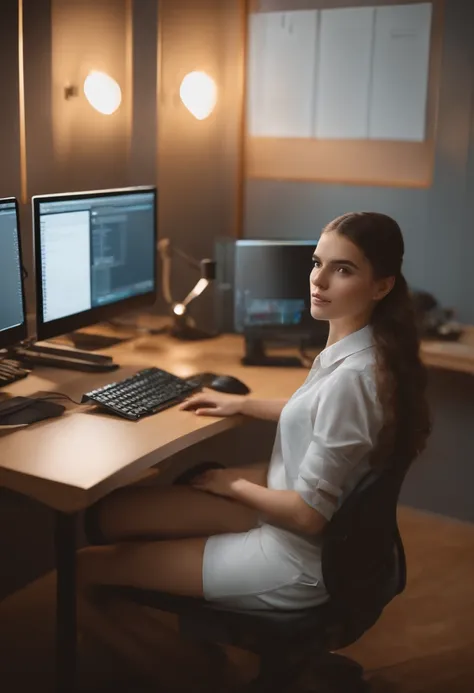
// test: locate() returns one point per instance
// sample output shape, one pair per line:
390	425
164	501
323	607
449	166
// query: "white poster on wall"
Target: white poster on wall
400	72
344	73
281	68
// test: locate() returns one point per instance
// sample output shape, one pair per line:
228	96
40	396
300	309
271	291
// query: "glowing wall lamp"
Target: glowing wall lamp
198	93
102	92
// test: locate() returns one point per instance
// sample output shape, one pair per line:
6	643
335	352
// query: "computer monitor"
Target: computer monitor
265	293
13	328
95	255
271	285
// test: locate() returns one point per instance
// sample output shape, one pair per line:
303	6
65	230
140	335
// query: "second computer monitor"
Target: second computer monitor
12	302
95	256
263	288
271	284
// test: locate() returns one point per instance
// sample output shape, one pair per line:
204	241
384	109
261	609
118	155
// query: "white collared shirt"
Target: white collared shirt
329	427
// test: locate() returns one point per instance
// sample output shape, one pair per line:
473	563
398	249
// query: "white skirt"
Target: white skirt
262	569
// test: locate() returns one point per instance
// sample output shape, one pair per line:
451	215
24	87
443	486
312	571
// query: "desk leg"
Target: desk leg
65	546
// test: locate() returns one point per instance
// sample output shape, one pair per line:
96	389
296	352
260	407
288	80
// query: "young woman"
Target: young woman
250	537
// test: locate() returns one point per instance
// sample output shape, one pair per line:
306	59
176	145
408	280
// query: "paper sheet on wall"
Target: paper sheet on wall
281	70
344	72
400	72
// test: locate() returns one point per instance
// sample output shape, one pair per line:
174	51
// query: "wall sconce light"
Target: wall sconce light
198	92
102	92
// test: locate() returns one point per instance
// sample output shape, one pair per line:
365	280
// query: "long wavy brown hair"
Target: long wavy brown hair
400	374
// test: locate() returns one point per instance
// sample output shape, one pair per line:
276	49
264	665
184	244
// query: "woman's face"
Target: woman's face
342	284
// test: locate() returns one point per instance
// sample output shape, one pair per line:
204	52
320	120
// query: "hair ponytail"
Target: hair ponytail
400	374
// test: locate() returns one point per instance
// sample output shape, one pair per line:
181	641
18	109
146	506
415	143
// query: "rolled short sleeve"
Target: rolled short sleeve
348	419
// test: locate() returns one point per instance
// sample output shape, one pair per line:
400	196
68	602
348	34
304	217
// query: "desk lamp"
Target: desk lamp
184	326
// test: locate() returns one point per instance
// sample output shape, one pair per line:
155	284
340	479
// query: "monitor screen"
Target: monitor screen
95	256
271	285
12	305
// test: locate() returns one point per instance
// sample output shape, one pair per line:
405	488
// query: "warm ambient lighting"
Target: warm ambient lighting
198	92
102	92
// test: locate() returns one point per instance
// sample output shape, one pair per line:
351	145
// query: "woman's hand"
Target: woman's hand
214	404
218	481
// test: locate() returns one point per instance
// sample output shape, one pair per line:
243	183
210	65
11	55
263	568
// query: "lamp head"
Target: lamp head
179	309
208	269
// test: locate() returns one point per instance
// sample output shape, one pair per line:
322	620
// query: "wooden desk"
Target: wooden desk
70	462
453	356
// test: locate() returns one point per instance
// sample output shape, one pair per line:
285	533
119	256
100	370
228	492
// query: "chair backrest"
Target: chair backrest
363	560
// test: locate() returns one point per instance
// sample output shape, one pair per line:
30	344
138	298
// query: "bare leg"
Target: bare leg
168	566
170	512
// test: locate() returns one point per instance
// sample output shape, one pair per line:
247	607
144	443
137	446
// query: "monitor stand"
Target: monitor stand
87	341
63	357
255	356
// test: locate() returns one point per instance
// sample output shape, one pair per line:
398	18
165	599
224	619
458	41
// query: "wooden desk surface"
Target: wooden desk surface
69	462
454	356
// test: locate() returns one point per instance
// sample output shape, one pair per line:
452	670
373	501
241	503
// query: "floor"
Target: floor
424	642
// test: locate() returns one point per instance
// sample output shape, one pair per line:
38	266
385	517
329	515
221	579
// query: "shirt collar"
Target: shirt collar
351	344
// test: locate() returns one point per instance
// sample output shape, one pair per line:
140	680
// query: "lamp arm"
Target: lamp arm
196	291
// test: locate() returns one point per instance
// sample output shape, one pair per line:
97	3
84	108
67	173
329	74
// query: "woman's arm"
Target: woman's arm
220	404
285	509
269	409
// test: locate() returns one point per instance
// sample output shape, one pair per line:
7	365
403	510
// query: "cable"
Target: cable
58	395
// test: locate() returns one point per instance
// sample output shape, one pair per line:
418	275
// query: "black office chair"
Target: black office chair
363	564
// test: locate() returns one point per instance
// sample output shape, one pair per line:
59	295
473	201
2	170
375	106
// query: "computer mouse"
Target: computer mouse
228	384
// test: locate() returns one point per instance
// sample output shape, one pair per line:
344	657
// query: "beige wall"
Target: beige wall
90	149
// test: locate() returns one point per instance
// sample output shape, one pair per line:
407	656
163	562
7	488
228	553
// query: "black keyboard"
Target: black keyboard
146	392
11	371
